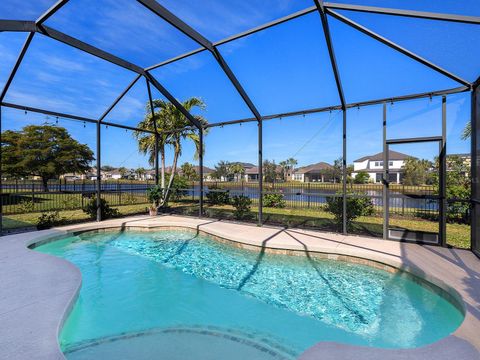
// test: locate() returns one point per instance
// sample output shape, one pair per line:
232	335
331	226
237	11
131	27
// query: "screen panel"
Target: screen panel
450	45
282	71
57	77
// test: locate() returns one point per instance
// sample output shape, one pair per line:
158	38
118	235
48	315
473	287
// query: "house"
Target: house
373	165
207	172
318	172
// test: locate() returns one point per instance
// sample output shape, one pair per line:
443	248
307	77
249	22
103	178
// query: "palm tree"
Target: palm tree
237	170
292	162
467	131
140	172
284	165
173	127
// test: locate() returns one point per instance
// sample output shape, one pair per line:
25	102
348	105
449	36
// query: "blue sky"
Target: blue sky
284	68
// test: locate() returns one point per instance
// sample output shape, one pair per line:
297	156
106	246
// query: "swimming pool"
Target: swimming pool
170	291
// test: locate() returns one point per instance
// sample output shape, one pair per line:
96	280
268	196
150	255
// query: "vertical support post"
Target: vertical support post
1	176
344	172
99	176
475	170
442	162
157	177
260	172
385	199
200	172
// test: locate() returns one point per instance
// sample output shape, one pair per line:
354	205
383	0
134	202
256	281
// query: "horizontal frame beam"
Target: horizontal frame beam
70	116
348	106
406	13
18	25
414	140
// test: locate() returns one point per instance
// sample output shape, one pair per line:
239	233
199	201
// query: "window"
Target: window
378	163
390	163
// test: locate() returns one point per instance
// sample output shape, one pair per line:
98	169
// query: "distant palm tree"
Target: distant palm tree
140	172
238	170
168	120
284	165
292	162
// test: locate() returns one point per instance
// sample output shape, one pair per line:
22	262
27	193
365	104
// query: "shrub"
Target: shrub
217	197
129	199
106	211
177	191
362	177
26	206
358	204
275	200
49	219
154	194
70	202
241	203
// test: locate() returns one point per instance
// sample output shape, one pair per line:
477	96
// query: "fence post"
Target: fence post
119	192
308	195
83	190
33	194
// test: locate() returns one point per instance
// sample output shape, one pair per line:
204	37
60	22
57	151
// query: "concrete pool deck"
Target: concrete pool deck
37	290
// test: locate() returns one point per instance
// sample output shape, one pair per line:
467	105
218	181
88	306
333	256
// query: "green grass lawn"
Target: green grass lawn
25	203
458	235
70	216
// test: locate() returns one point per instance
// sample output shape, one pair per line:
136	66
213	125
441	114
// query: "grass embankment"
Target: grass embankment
26	203
458	235
27	220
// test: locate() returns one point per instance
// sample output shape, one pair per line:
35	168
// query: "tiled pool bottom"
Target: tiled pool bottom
135	281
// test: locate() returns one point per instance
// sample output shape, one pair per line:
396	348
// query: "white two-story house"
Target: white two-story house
373	165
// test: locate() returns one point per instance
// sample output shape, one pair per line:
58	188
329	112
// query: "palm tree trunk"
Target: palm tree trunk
172	175
162	154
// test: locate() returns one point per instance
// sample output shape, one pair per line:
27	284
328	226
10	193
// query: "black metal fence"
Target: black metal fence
30	196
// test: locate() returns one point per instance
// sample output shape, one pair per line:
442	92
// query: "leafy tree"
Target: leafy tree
173	127
45	151
269	171
123	171
335	172
457	187
362	177
189	172
417	171
222	170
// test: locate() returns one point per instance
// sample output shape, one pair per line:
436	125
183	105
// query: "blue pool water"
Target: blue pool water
177	282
